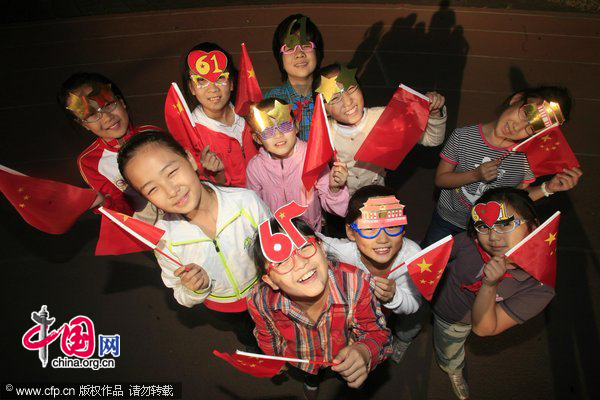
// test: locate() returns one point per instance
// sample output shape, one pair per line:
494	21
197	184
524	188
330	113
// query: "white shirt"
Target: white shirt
234	131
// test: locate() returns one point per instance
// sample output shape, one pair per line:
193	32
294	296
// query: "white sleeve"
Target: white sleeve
183	295
435	130
340	249
407	298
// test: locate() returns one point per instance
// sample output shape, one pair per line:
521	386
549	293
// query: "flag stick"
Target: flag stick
298	360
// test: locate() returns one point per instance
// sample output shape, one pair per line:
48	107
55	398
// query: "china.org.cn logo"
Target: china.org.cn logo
77	342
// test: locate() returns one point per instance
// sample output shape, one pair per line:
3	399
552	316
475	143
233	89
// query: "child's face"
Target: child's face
214	97
348	107
112	124
300	64
497	244
512	124
280	145
301	278
379	251
165	178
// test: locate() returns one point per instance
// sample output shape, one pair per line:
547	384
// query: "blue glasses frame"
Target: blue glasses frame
356	229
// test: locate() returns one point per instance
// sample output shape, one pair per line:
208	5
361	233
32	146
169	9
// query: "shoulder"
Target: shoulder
279	92
463	242
260	296
88	159
238	197
409	247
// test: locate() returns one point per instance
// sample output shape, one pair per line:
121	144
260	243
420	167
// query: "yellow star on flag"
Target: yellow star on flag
431	282
546	138
328	88
22	205
423	281
251	73
424	266
178	107
281	215
551	238
20	190
26	197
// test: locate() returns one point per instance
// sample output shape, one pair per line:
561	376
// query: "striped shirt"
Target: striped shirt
305	104
351	315
467	148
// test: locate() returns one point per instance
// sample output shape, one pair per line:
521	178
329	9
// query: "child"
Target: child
208	80
308	308
351	122
96	104
275	173
377	246
298	49
476	159
208	228
475	293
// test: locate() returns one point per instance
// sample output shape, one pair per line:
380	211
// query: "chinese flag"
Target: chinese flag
179	121
397	131
320	146
536	254
548	153
122	234
52	207
257	367
426	267
248	90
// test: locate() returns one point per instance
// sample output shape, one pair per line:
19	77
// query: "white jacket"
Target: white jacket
407	298
226	259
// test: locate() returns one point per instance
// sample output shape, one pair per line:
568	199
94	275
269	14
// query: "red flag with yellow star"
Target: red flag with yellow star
179	121
548	153
397	130
248	90
52	207
320	149
122	234
536	254
257	367
427	267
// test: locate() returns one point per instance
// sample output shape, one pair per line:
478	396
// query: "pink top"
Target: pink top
278	182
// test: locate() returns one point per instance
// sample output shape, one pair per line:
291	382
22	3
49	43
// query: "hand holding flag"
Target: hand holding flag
397	131
536	254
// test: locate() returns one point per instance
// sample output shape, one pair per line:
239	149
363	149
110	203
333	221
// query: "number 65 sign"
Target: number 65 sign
278	247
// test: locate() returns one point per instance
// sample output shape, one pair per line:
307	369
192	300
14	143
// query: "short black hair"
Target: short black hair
557	94
78	80
360	197
133	145
185	72
519	200
313	33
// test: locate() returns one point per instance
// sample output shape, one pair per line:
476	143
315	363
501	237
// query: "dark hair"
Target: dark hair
185	72
360	197
77	80
557	94
313	33
519	200
259	258
133	145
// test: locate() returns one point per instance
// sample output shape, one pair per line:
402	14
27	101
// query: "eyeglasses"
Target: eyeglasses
202	83
305	252
337	98
371	233
529	129
502	227
97	115
306	48
284	128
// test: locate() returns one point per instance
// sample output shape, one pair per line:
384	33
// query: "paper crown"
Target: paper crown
489	213
259	120
80	106
382	212
544	115
329	87
291	40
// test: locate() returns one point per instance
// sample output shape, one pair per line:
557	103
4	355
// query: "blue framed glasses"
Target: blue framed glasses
372	233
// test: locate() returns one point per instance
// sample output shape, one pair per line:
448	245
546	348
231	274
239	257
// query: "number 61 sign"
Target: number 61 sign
278	247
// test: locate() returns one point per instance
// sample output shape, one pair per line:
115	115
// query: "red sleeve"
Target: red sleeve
370	326
113	197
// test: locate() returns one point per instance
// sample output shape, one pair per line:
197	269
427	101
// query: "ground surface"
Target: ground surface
474	56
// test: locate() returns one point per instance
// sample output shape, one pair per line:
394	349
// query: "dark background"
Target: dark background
474	56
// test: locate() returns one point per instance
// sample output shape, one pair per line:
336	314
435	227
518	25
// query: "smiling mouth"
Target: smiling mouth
215	99
352	110
114	126
282	143
182	201
307	275
301	65
382	250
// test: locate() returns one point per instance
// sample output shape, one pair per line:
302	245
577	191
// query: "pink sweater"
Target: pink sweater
278	182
